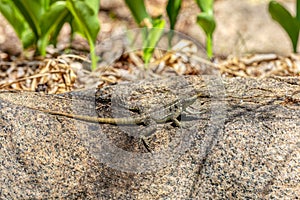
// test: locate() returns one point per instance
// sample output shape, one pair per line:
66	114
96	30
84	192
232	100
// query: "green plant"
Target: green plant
289	23
173	8
207	22
152	35
152	27
38	22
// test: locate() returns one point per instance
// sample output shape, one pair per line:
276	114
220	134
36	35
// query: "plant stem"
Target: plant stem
94	57
209	45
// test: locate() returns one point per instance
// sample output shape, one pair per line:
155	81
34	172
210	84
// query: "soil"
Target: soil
244	30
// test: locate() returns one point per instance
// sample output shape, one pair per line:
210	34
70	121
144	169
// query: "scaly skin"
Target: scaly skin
169	112
172	111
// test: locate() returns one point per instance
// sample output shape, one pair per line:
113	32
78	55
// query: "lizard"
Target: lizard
162	114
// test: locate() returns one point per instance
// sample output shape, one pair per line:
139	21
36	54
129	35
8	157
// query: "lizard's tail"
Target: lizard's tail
101	120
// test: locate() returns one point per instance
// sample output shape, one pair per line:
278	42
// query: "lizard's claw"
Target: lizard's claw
145	142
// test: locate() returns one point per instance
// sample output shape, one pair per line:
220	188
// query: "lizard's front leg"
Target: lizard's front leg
174	117
151	127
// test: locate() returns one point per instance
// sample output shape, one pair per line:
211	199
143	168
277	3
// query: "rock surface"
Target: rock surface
250	152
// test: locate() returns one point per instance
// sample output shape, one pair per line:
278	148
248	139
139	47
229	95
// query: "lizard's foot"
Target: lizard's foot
145	142
176	122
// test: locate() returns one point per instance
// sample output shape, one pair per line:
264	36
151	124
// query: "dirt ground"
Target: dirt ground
243	26
247	43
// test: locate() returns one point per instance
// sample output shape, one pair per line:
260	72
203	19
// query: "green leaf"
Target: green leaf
94	5
205	5
40	21
153	35
286	20
15	18
50	22
138	11
86	22
173	8
32	11
207	23
85	18
298	10
55	33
